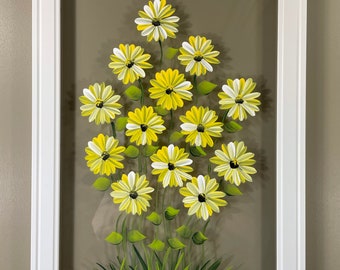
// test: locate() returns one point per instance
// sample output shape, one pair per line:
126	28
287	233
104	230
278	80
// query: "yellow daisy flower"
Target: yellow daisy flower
156	21
143	125
170	88
198	55
100	103
238	97
171	163
129	62
200	125
202	197
132	193
103	155
234	163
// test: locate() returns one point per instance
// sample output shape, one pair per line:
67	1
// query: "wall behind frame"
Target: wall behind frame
15	133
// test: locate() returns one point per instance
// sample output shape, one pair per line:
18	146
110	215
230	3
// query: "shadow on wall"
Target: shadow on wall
68	101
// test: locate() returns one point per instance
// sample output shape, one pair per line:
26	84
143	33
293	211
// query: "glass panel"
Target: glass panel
244	31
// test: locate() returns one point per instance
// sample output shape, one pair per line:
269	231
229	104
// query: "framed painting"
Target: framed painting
59	28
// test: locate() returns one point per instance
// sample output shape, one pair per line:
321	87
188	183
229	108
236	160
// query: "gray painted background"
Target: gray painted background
323	218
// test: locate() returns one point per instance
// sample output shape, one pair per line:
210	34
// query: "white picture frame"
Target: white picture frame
290	176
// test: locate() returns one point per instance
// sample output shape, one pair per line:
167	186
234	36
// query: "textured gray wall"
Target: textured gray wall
15	133
323	127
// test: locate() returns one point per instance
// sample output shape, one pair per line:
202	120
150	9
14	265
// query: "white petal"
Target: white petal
148	30
166	179
171	151
183	162
131	179
207	65
159	165
138	70
188	48
231	150
144	140
198	140
230	92
143	21
201	184
119	54
94	148
132	126
89	95
188	127
190	65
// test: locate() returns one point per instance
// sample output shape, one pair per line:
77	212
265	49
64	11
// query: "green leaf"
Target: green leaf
175	243
101	183
232	127
161	111
179	260
122	266
205	265
102	267
131	151
121	123
215	265
166	257
184	231
197	151
175	136
149	150
159	262
154	218
114	238
232	190
133	92
171	52
145	267
135	236
157	245
199	238
171	213
205	87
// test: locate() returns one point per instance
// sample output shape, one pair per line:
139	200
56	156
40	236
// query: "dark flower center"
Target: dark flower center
171	166
105	155
239	101
200	128
168	91
133	195
130	64
233	164
198	58
156	23
99	104
143	127
201	197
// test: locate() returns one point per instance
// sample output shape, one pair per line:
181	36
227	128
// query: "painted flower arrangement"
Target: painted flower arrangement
167	158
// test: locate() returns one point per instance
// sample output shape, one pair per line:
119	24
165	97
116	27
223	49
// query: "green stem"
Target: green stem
113	126
224	116
161	48
195	89
142	89
140	162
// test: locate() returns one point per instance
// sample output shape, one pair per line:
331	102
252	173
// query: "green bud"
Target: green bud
171	213
114	238
199	238
154	218
135	236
